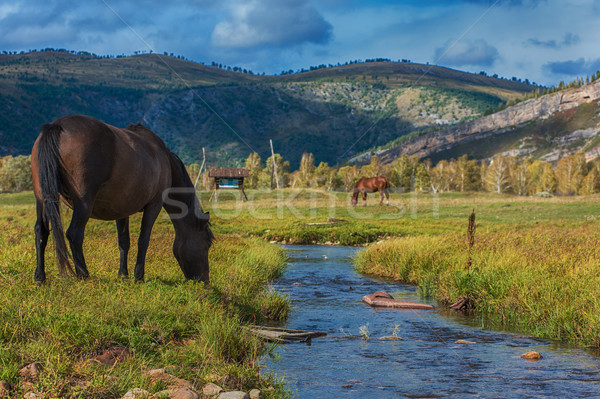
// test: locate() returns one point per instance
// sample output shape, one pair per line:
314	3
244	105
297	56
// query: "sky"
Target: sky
545	41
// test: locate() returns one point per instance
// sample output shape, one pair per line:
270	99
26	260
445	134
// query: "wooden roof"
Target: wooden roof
228	173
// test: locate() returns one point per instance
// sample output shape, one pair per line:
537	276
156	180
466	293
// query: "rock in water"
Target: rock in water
390	338
533	355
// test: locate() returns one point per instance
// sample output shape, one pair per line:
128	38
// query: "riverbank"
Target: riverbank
542	280
72	327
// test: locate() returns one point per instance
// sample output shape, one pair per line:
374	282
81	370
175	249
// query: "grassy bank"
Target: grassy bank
163	322
301	216
541	280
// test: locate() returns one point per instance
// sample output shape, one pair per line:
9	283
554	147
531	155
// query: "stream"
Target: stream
427	363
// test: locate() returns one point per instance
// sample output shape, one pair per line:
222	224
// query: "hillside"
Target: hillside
543	128
332	112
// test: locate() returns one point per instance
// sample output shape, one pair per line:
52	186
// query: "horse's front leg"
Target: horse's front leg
151	212
82	210
41	240
124	243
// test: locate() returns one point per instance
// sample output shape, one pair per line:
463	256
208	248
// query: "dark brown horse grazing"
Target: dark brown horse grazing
108	173
371	185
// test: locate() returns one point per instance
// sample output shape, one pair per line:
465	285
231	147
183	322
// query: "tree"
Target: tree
541	177
570	172
254	168
498	175
283	172
348	175
591	182
15	174
401	172
421	177
374	168
443	176
323	175
521	179
467	174
306	170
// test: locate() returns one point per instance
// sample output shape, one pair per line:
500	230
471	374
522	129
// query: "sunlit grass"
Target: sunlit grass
164	321
543	280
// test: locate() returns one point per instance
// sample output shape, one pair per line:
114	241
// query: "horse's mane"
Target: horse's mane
190	200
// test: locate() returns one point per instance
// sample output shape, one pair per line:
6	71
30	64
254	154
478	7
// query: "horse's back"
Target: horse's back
120	170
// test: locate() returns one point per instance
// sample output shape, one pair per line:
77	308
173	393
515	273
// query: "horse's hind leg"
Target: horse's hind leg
380	197
41	239
151	212
75	233
364	197
124	243
387	196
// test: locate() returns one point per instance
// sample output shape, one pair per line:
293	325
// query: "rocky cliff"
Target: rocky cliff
512	121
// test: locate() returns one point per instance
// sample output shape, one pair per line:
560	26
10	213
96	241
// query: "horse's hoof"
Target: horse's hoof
140	280
39	283
123	276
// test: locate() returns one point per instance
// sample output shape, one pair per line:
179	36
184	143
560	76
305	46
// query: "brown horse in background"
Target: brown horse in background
108	173
371	185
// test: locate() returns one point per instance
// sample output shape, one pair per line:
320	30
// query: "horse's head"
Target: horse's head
355	197
191	248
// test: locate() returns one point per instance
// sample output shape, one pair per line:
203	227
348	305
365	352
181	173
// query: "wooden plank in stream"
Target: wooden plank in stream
284	335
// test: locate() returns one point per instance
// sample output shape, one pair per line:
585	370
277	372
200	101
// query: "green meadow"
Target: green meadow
535	267
162	322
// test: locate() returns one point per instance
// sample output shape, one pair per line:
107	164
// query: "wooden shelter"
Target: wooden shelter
228	178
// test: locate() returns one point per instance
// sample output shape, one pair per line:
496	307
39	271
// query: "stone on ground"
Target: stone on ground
234	395
137	393
211	389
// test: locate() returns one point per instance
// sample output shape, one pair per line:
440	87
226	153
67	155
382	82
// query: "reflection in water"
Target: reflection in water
427	363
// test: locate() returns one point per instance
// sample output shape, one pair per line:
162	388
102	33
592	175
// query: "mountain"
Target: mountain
334	112
546	128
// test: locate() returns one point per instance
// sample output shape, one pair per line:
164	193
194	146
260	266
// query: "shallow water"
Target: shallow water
427	363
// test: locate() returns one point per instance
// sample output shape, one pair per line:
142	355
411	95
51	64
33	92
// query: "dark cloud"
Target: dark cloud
476	53
579	67
569	39
271	23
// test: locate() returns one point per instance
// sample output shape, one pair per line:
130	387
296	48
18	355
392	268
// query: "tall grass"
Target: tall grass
542	280
163	322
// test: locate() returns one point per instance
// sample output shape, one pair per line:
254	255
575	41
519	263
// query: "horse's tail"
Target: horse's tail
387	183
49	171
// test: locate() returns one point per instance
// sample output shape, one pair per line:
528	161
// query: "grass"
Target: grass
542	280
301	216
163	322
534	267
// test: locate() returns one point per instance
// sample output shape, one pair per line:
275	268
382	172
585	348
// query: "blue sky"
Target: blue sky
543	40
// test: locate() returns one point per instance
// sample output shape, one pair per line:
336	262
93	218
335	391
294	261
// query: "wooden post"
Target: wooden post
201	167
274	167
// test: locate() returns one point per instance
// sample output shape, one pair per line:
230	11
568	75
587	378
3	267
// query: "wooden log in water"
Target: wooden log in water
284	335
384	300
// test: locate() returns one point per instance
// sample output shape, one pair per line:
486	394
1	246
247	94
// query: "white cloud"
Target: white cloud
271	23
465	52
